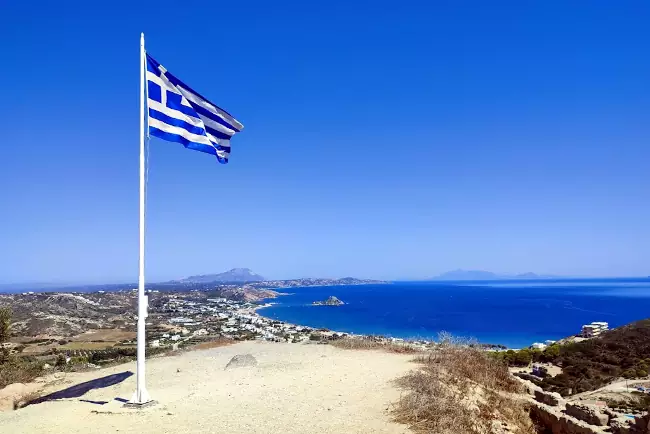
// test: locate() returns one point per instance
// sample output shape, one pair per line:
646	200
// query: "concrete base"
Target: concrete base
137	406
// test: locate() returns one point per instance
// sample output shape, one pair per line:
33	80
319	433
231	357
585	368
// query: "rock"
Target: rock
621	425
241	360
587	413
555	421
331	301
47	366
548	398
530	387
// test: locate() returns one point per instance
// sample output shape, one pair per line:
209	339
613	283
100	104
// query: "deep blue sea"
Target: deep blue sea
514	313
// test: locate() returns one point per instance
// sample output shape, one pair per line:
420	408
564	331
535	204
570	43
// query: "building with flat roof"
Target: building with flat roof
594	329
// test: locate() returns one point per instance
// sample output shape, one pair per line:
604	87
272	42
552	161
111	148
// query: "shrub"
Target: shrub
19	370
460	389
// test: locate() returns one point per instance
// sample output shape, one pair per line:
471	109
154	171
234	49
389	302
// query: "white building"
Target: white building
594	329
154	344
200	332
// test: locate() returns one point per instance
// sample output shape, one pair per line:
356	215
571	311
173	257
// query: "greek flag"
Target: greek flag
179	114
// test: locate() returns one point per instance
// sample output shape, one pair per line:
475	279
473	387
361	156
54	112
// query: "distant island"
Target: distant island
487	275
331	301
236	275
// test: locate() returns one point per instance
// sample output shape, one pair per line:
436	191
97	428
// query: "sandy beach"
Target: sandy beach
295	388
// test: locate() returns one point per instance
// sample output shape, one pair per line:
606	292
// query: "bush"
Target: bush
460	389
19	370
60	361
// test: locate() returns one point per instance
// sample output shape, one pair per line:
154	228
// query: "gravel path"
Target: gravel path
295	388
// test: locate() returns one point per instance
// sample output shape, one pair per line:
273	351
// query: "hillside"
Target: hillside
238	275
65	314
590	364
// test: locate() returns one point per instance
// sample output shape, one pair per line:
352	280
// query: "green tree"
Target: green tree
551	352
5	324
523	357
5	331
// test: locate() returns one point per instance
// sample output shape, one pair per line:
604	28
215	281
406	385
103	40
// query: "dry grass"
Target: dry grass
461	389
211	344
369	343
24	400
89	346
18	370
108	335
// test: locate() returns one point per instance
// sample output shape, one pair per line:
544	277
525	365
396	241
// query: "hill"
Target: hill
487	275
593	363
235	275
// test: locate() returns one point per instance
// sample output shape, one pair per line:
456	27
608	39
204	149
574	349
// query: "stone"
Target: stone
621	425
241	360
548	398
587	413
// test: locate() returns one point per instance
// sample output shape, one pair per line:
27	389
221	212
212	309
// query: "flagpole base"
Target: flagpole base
137	406
142	401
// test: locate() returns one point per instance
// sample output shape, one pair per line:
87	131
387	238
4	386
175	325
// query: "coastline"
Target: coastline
513	316
338	333
492	346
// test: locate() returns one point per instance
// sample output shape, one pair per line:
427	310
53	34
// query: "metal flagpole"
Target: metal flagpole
141	396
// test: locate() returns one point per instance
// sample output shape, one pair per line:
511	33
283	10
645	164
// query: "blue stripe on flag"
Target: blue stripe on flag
174	101
218	134
208	114
187	143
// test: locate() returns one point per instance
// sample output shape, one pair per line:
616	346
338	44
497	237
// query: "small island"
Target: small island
331	301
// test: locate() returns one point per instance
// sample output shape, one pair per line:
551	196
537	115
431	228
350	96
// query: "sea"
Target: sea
514	313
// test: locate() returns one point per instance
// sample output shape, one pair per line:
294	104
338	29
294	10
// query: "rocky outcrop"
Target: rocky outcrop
331	301
548	398
587	413
241	361
555	421
626	425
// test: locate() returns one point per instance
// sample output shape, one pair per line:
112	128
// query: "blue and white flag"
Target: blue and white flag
179	114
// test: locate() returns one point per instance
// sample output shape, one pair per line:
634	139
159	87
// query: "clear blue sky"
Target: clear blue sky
389	140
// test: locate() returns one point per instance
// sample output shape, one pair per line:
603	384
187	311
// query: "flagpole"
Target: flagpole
141	396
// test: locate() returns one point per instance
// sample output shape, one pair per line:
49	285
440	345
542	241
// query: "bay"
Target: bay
515	313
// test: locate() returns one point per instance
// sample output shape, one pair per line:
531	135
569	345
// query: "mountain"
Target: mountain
467	275
528	275
488	275
234	275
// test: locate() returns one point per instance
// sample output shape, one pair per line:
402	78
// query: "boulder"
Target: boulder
621	425
241	360
548	398
587	413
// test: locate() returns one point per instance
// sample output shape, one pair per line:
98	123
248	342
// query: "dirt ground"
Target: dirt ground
295	388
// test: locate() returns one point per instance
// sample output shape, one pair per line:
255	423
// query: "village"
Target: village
181	319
